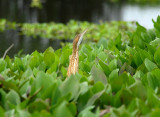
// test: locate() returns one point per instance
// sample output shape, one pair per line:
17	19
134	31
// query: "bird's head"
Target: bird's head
78	39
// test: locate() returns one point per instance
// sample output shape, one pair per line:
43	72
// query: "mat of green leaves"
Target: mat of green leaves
116	78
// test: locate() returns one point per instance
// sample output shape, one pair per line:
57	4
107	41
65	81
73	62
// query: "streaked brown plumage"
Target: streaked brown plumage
74	58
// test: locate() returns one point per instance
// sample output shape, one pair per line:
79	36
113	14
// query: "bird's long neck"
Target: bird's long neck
75	45
74	59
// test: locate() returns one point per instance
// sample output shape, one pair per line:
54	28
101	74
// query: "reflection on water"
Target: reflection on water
27	44
143	14
88	10
63	11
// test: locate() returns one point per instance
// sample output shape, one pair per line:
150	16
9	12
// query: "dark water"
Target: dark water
26	44
63	11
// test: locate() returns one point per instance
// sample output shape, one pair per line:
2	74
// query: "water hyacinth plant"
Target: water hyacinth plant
115	78
67	31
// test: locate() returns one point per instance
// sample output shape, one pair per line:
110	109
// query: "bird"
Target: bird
74	58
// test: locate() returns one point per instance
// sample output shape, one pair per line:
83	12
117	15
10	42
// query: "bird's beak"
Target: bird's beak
81	37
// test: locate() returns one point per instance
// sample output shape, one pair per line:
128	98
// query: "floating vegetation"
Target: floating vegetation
36	3
68	31
137	1
114	79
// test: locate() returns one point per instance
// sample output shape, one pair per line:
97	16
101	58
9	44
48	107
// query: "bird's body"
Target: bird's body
74	58
73	65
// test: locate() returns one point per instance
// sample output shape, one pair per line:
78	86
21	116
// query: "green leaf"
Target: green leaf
70	85
9	85
126	68
140	56
43	113
149	65
13	98
43	81
156	73
64	59
64	71
155	113
42	66
118	41
137	59
122	81
144	54
2	112
9	62
152	99
126	96
22	113
95	97
157	56
24	87
72	108
157	27
18	65
2	97
35	59
63	110
137	41
155	42
102	56
158	19
49	56
87	112
37	105
113	75
120	112
113	64
103	42
85	66
2	65
49	91
97	87
138	90
10	113
153	81
83	88
151	49
142	68
98	75
130	50
138	106
83	99
140	28
53	67
105	68
116	101
138	74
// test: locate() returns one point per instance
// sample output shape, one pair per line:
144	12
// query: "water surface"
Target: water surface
63	11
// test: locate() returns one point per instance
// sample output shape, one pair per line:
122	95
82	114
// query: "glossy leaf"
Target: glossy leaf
157	56
98	75
2	112
138	90
150	65
12	98
70	85
49	56
57	112
153	81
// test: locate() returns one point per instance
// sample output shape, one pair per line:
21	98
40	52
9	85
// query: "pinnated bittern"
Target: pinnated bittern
74	58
